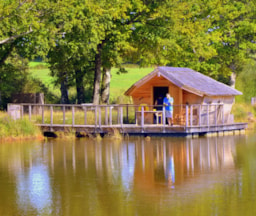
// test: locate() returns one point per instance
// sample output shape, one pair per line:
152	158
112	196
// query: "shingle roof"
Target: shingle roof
191	80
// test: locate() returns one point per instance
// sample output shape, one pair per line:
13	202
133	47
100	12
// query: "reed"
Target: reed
19	129
244	112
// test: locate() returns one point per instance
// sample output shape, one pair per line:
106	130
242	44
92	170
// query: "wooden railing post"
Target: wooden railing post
64	114
22	111
73	116
85	115
186	116
164	119
106	115
199	115
99	109
110	115
42	114
29	112
121	115
215	115
95	115
191	115
142	117
127	113
208	117
51	115
223	117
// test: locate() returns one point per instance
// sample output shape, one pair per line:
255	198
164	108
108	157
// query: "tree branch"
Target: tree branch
14	37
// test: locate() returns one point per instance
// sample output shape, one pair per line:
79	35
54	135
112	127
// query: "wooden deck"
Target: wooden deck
106	119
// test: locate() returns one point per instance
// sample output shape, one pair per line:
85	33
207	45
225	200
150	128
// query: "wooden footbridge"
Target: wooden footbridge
128	119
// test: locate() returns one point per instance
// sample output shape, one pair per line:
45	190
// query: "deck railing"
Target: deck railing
121	114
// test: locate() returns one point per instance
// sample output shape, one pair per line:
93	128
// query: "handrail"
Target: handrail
123	114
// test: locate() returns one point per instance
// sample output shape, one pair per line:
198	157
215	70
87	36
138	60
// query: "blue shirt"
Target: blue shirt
168	103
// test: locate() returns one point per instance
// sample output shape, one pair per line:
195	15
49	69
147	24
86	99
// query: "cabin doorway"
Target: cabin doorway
159	92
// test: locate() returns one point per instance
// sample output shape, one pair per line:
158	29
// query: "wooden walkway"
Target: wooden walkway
126	119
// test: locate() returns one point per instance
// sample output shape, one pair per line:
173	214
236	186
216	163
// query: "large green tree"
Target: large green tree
26	31
215	37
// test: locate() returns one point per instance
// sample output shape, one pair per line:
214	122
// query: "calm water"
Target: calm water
163	176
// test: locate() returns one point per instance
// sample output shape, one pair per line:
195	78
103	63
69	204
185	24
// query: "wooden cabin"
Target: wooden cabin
206	98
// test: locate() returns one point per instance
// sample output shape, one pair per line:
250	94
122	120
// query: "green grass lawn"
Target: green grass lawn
119	82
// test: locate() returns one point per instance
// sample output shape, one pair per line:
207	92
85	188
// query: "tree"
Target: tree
26	31
215	37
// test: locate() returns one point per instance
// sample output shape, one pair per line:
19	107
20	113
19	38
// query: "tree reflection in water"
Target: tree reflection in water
162	176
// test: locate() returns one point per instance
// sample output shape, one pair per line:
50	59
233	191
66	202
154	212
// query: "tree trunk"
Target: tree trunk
64	92
97	75
79	86
232	81
105	90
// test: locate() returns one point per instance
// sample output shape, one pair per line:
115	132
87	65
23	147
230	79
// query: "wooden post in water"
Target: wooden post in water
29	112
64	114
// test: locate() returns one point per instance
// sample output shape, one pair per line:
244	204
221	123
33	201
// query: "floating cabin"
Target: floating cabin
207	99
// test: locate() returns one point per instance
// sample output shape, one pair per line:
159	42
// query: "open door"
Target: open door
159	92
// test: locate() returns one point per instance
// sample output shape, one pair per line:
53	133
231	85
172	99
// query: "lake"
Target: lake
135	176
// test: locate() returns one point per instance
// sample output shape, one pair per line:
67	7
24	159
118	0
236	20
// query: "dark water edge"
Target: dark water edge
134	176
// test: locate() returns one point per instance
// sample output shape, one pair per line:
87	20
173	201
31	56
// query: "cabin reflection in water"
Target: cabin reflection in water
181	161
145	164
54	170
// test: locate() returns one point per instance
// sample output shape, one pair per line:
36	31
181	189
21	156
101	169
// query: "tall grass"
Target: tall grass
244	112
22	128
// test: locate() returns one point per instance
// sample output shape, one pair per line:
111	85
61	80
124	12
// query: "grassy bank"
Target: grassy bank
20	129
244	112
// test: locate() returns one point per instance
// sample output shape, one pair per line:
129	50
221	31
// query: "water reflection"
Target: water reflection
130	177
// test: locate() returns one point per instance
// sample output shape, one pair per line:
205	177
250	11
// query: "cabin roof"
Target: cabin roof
189	80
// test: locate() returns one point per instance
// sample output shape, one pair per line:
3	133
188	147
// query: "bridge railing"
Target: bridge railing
121	114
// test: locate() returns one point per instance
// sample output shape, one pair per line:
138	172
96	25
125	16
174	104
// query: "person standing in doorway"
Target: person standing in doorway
168	103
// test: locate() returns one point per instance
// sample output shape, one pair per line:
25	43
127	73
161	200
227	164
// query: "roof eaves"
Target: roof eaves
193	90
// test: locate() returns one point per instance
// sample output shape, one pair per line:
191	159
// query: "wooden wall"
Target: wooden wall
144	95
228	102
